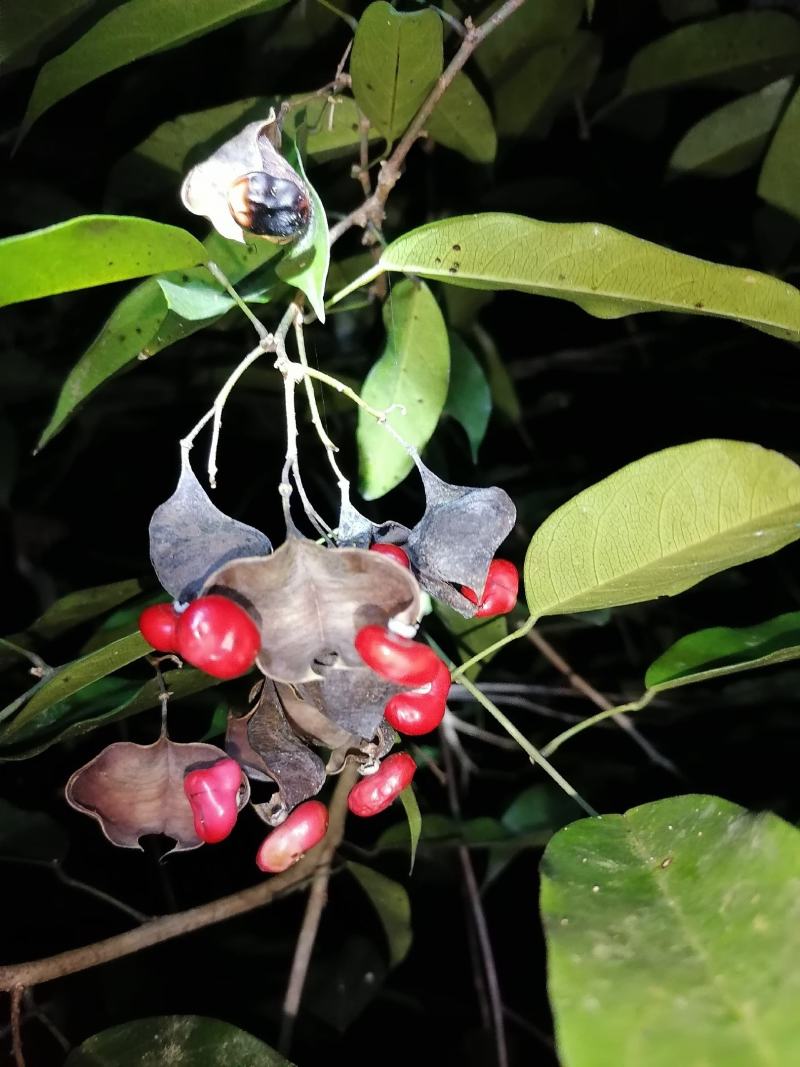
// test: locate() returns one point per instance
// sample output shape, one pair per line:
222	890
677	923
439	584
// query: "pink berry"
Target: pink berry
499	594
157	625
420	711
376	792
218	636
289	842
213	793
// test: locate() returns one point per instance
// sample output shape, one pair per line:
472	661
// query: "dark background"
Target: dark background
595	395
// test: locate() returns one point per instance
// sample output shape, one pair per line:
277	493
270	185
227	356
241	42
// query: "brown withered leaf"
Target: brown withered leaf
133	790
311	601
353	698
205	188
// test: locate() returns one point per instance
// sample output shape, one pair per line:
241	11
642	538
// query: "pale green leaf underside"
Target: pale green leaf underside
90	250
779	182
391	902
661	525
673	934
413	372
606	272
396	59
127	33
744	49
731	138
462	121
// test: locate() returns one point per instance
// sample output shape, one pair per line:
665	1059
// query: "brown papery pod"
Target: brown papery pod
310	602
133	790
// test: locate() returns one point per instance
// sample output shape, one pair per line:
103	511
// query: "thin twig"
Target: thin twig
16	1029
54	866
317	899
580	683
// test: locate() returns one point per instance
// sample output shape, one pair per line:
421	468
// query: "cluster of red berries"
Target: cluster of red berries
216	635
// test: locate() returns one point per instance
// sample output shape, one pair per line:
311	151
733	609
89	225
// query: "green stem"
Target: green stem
526	628
609	713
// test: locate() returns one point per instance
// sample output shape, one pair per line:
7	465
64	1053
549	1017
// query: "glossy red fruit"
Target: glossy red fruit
499	595
157	625
213	793
421	710
217	636
396	658
375	793
394	552
304	828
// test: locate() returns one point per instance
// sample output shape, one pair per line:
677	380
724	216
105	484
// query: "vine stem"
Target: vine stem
521	631
593	720
156	931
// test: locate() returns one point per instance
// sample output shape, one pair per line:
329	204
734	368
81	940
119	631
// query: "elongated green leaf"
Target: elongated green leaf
177	1040
462	121
732	138
142	325
391	902
723	650
604	271
501	385
413	372
395	62
90	250
442	831
71	679
673	938
128	32
408	798
469	399
663	524
531	27
779	181
26	27
740	51
528	99
305	263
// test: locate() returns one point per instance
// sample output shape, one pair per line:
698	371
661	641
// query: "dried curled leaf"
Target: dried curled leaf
230	186
456	539
190	538
133	790
357	531
311	601
352	698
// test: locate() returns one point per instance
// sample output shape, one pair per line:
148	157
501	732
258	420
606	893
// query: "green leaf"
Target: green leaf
90	250
722	650
462	121
71	679
732	138
305	263
501	385
672	937
469	399
604	271
414	372
779	182
472	635
27	27
177	1040
528	29
391	902
408	798
142	325
395	62
528	99
444	831
661	525
195	296
744	50
127	33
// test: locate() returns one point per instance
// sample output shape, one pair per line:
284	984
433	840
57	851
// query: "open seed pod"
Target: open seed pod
310	602
133	790
247	185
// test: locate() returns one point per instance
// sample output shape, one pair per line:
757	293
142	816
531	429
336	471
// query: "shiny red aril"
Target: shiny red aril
289	842
499	594
157	625
375	793
393	552
420	710
213	793
396	658
218	636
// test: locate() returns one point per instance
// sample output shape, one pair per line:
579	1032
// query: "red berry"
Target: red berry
213	793
287	844
217	636
396	658
157	626
375	793
394	552
421	710
499	594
